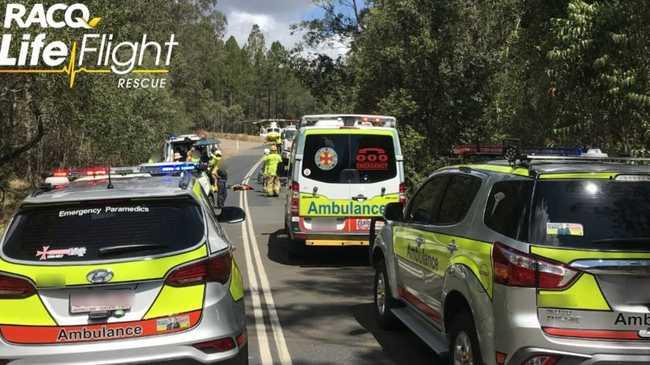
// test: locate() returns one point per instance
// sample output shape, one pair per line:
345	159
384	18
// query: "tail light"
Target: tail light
215	269
542	360
60	172
402	193
295	198
515	268
15	288
242	339
214	346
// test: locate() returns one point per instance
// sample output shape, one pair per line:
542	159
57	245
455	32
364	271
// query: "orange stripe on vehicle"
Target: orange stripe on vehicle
592	334
41	335
422	306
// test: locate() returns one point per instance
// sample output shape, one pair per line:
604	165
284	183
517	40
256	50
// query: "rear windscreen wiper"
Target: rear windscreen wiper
624	240
119	249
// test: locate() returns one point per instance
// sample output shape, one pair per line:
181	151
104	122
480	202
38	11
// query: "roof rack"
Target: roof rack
348	120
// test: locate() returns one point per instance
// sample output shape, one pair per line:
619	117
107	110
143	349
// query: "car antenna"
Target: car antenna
110	182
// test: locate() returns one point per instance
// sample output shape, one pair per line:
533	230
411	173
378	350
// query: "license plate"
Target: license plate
363	224
88	301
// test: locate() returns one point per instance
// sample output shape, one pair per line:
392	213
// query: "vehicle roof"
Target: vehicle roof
182	138
542	167
328	128
345	115
123	188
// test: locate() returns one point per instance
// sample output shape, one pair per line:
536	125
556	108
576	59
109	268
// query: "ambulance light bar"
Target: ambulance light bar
478	150
79	172
168	168
348	120
532	153
560	151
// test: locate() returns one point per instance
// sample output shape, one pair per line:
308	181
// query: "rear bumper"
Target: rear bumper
330	231
336	241
569	358
221	318
518	333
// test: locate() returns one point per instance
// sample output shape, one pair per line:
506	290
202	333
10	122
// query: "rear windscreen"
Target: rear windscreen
349	158
594	214
104	230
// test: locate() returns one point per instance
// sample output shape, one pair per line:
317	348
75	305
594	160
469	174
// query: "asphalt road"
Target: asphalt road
312	309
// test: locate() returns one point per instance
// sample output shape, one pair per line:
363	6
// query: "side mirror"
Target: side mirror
394	212
231	215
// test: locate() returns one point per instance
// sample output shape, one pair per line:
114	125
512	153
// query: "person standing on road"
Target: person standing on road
271	162
214	165
261	177
222	186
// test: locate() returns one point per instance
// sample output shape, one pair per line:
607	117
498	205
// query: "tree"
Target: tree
341	19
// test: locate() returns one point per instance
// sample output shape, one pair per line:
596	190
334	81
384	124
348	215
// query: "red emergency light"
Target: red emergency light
478	150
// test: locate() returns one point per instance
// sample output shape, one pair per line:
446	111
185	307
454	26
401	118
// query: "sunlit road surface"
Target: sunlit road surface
311	309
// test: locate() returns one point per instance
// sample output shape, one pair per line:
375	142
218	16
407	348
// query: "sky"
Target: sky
274	17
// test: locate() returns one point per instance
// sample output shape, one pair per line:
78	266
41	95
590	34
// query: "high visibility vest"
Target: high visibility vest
271	162
214	164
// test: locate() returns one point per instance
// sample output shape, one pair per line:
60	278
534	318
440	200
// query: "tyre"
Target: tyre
297	249
463	343
383	300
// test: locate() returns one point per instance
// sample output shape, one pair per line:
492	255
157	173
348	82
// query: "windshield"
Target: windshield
349	158
83	232
599	214
289	134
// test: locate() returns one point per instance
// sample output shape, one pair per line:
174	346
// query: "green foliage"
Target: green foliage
555	73
214	84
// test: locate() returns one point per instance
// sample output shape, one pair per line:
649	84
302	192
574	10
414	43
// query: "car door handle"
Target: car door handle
359	197
419	241
452	247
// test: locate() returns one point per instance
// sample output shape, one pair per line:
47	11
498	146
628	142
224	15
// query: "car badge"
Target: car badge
100	276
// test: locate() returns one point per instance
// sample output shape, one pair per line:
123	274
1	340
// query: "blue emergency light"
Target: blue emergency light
556	151
168	168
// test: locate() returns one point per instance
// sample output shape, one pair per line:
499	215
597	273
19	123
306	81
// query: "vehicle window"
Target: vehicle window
349	159
424	204
288	134
458	198
507	208
593	214
79	232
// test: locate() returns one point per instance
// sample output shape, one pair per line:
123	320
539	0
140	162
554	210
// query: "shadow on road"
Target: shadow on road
283	250
402	346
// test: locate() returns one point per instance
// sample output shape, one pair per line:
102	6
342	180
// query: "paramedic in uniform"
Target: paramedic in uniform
272	180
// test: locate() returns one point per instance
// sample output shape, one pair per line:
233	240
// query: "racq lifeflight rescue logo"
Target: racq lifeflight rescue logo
94	52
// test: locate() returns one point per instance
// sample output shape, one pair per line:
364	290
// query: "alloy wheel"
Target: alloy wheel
463	352
380	294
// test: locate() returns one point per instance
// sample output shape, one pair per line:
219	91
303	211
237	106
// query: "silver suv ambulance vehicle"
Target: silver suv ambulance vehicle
543	260
119	270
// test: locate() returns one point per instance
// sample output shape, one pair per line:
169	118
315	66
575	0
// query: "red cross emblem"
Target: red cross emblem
326	158
42	255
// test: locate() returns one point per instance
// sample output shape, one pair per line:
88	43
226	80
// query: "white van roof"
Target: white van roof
348	120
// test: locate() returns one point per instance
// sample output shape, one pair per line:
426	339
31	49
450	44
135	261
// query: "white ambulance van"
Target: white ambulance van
343	170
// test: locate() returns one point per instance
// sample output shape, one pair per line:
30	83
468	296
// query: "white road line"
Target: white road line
258	311
278	334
